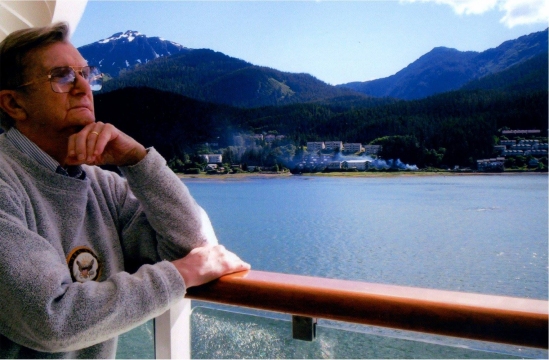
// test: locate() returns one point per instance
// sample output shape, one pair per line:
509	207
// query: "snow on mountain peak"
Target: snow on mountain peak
130	35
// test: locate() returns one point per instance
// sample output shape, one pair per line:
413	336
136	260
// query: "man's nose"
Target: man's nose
81	84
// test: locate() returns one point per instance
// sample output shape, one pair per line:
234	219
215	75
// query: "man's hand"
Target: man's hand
204	264
103	144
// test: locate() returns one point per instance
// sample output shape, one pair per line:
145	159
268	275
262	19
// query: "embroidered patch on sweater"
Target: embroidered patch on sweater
83	264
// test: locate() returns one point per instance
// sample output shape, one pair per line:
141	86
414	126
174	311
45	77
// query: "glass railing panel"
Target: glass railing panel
137	343
232	334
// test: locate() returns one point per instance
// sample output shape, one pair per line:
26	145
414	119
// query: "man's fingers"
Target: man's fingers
108	132
208	263
93	138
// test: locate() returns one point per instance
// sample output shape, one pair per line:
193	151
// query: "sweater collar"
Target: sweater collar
26	146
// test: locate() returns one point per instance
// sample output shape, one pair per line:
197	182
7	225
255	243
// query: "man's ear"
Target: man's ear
9	102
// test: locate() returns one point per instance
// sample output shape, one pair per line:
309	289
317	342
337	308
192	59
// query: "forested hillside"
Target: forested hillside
211	76
454	128
444	69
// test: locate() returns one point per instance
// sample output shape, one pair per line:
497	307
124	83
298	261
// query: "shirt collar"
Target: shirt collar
29	148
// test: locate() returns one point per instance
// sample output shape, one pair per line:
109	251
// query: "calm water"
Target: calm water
486	234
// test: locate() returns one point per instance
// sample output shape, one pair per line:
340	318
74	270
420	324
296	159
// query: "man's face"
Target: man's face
50	113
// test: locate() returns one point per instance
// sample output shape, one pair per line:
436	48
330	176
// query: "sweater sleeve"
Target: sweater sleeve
179	223
43	309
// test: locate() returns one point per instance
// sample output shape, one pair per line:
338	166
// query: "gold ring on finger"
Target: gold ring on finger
94	132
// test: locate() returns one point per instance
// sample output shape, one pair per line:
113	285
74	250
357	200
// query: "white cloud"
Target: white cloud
517	12
521	12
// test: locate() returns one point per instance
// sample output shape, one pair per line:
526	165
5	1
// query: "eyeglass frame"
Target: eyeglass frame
76	70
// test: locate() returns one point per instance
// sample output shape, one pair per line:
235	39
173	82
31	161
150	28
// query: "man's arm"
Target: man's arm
180	223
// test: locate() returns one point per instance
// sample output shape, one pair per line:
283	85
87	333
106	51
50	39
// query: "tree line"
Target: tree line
454	128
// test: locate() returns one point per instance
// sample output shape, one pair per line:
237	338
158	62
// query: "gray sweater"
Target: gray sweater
132	226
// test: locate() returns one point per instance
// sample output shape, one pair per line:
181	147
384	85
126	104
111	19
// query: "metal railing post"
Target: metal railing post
172	332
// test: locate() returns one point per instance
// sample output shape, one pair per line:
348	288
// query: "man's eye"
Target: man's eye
65	79
64	75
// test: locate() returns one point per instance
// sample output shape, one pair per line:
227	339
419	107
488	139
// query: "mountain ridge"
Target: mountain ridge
445	69
134	59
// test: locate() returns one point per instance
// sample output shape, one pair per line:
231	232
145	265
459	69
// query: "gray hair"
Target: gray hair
14	51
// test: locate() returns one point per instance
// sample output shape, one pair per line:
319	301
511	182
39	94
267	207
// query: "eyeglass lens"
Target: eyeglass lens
62	78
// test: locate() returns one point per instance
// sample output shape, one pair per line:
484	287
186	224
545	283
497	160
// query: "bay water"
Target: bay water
483	233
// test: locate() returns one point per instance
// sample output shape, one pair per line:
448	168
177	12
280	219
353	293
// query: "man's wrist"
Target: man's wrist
135	156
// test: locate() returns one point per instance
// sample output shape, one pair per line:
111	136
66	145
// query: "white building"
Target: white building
520	132
213	158
353	147
333	145
355	164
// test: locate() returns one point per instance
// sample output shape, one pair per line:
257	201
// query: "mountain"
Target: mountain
124	51
444	69
212	76
132	60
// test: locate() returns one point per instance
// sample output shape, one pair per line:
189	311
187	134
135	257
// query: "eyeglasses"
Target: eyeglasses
62	79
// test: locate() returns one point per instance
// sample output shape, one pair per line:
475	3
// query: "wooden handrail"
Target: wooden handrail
501	319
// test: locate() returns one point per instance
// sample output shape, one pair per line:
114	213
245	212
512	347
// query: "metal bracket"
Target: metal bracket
303	328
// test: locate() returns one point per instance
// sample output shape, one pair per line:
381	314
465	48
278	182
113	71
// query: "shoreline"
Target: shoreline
267	175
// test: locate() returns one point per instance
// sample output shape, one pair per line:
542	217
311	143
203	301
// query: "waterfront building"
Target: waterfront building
335	165
352	147
356	164
333	145
213	158
491	164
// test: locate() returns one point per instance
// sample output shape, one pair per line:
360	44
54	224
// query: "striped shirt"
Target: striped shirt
23	144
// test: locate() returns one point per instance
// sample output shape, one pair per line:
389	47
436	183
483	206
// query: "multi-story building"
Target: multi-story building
333	145
355	164
352	147
507	142
536	152
491	164
520	132
513	153
334	165
213	158
523	147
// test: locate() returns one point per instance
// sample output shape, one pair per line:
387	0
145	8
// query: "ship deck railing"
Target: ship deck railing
498	319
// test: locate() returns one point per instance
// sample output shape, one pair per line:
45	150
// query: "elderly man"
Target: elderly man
85	255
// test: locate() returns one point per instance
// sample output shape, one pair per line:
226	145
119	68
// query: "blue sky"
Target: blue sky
335	41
